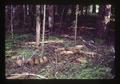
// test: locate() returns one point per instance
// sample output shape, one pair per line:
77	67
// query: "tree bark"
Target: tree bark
94	8
86	10
104	13
76	22
51	17
38	25
61	18
81	10
43	32
24	11
27	9
12	35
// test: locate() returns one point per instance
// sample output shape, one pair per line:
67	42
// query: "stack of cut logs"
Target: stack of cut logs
35	60
73	50
69	51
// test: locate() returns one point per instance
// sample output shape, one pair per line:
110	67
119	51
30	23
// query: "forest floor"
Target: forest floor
61	66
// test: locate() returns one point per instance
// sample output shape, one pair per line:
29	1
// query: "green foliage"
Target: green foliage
55	37
24	52
83	70
17	37
94	73
23	37
79	71
8	45
10	53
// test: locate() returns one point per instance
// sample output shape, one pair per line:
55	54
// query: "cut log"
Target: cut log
41	60
66	53
30	61
92	54
45	59
19	62
14	57
69	53
79	46
81	60
37	61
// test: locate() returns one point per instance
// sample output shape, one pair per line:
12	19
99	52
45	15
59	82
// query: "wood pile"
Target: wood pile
35	60
73	50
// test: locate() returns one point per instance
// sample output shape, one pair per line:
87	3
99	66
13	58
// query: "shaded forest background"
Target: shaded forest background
24	17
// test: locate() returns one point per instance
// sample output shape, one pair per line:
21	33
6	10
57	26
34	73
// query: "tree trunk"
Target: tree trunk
56	10
43	32
38	25
105	12
81	10
91	9
27	9
76	22
86	10
51	17
12	35
24	11
61	18
94	8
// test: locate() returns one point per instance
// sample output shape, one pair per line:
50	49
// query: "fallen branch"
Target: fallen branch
16	76
88	43
50	41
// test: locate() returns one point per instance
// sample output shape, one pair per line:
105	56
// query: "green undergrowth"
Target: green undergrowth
78	71
85	70
15	48
23	36
55	37
94	73
24	52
